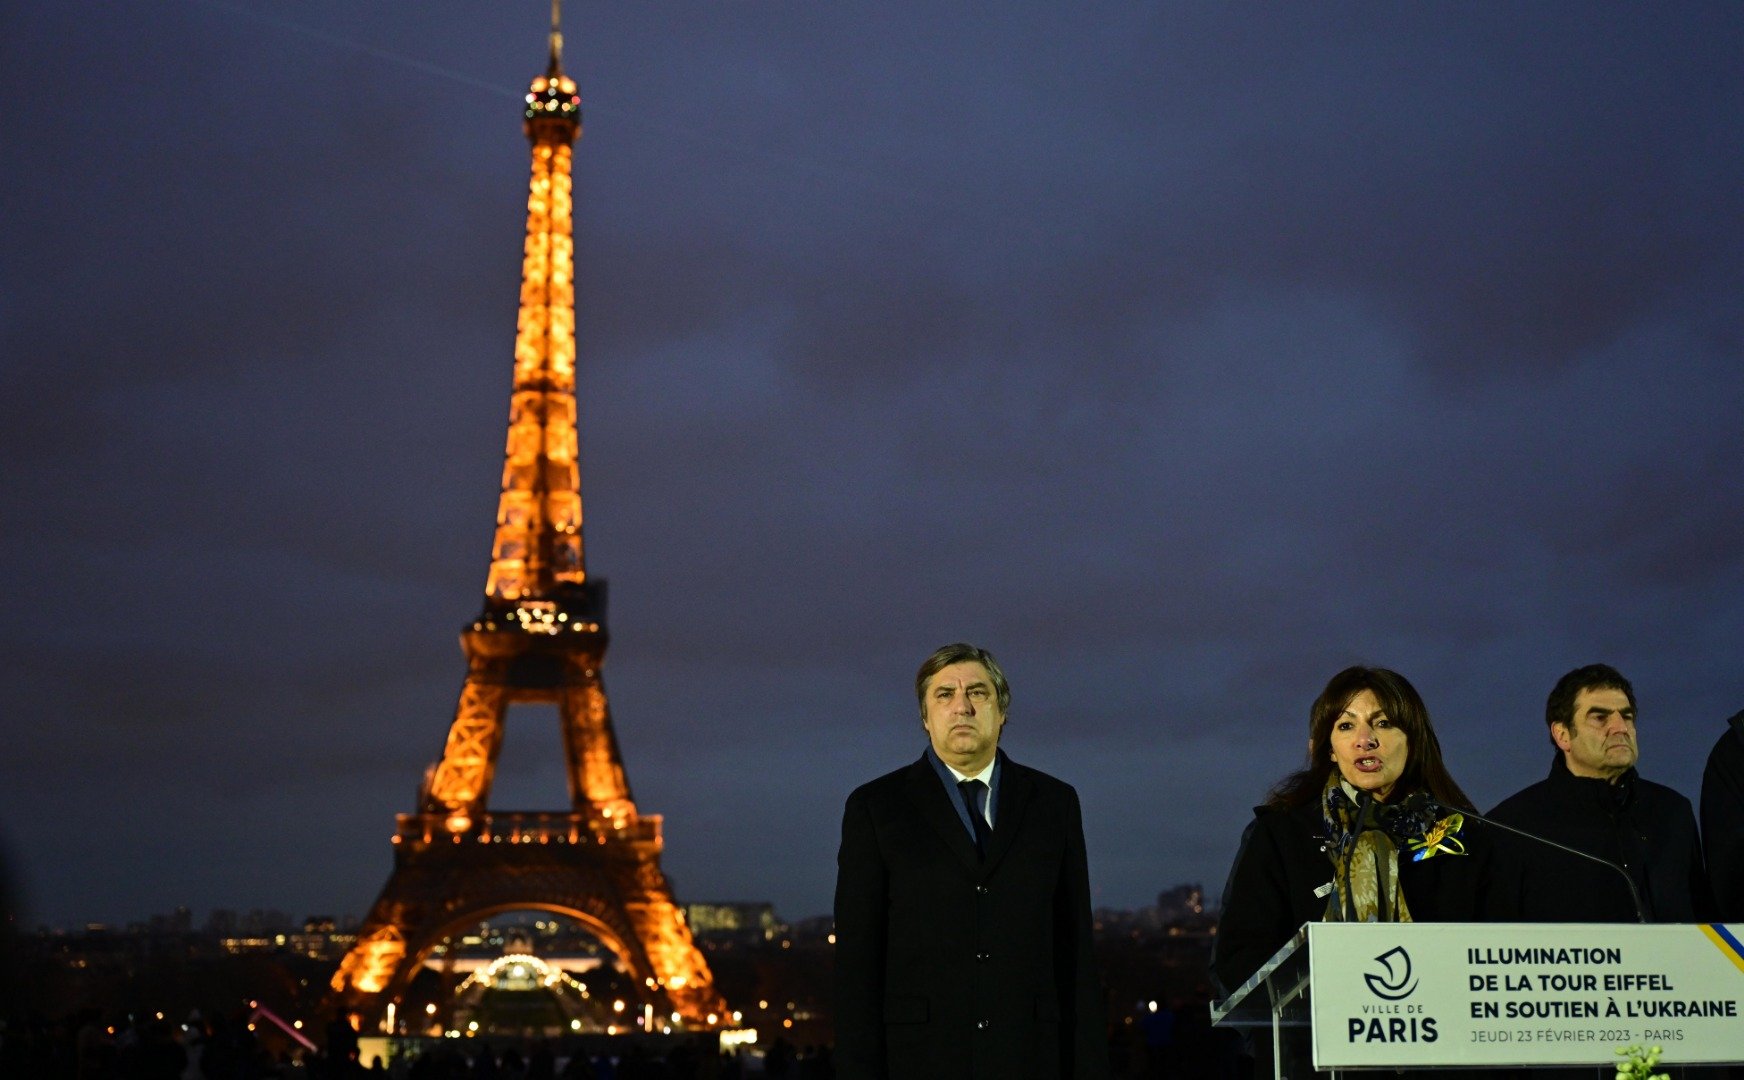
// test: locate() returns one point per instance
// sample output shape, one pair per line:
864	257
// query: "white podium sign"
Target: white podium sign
1398	995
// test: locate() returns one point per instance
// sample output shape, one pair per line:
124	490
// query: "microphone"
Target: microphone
1365	812
1411	817
1365	807
1442	810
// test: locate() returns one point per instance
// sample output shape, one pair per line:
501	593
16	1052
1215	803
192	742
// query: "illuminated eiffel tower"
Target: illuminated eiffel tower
540	638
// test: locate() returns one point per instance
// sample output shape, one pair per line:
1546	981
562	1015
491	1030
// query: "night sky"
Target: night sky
1181	354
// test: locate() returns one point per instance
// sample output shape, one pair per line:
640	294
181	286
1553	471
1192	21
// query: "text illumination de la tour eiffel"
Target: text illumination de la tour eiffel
540	638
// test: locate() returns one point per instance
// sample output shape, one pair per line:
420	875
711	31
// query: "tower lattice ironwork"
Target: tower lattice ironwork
540	638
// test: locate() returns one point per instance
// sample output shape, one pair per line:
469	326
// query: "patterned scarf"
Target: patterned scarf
1365	862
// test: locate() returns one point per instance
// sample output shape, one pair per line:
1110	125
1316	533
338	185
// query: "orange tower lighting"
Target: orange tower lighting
541	637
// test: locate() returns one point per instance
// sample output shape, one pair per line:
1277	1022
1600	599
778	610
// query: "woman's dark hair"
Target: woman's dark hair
1424	771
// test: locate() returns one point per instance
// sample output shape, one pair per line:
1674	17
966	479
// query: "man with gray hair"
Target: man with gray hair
963	944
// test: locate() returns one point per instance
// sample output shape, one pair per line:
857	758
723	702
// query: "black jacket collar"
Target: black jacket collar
1611	796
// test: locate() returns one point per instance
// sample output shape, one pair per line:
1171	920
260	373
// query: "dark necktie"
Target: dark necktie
974	794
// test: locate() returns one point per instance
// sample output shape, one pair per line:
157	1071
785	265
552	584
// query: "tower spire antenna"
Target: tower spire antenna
556	39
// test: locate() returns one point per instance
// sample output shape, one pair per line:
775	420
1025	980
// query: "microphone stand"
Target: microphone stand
1365	804
1442	810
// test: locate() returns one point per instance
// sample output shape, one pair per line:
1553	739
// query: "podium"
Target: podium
1272	1006
1354	997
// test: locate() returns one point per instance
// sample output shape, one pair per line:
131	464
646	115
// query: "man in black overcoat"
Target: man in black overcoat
963	941
1595	801
1723	821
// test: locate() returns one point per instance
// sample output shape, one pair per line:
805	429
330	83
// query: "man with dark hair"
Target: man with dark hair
963	948
1723	821
1594	801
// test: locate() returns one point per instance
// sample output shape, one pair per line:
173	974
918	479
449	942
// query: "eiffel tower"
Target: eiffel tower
540	638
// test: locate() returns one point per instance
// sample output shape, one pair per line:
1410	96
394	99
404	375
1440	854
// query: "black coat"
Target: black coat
951	967
1281	876
1723	821
1645	827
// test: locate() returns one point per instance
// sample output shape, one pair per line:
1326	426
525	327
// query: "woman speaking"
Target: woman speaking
1369	831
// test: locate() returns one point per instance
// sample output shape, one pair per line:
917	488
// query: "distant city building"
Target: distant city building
1181	902
265	921
1178	910
733	919
816	928
262	930
180	921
